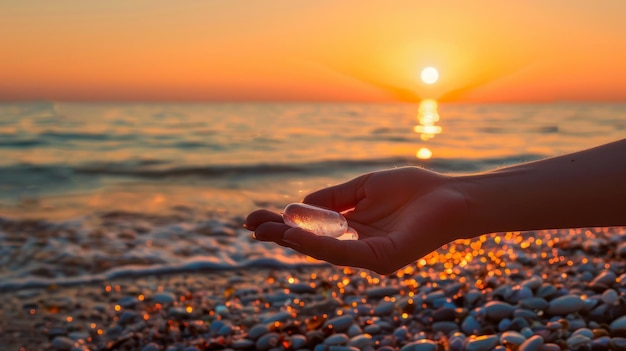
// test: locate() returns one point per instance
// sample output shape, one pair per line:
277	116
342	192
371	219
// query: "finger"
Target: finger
356	253
258	217
339	197
271	231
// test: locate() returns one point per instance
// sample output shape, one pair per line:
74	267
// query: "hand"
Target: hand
400	215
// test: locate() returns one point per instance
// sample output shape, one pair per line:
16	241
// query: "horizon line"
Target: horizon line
307	101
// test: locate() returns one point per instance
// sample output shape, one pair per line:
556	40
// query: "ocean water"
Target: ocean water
91	191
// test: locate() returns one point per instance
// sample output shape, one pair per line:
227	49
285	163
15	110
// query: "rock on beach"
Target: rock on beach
563	305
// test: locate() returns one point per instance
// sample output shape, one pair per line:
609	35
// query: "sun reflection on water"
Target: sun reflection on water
427	117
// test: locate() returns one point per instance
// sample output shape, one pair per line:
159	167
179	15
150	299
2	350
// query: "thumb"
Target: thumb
339	197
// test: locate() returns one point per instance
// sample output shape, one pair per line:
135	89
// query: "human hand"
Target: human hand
400	215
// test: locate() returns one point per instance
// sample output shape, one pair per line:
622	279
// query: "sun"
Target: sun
429	75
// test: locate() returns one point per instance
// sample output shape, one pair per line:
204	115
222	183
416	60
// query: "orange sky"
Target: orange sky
312	50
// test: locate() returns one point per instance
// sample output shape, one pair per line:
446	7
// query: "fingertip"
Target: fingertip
270	231
257	217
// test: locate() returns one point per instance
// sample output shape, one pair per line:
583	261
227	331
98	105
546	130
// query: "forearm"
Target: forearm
582	189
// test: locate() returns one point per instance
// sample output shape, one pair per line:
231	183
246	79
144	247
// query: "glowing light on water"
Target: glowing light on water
424	153
427	117
428	129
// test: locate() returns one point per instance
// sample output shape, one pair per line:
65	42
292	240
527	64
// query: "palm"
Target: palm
400	215
414	218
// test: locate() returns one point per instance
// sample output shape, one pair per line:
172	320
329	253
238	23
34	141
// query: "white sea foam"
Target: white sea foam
126	244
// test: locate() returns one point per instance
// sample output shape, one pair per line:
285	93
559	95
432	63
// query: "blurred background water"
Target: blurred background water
90	192
65	159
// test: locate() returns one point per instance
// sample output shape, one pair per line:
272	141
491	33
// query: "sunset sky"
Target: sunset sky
312	50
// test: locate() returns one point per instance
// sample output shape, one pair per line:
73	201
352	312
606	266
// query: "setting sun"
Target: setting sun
429	75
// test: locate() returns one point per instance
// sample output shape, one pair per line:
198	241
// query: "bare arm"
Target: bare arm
582	189
403	214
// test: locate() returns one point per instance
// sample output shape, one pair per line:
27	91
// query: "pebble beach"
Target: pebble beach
543	290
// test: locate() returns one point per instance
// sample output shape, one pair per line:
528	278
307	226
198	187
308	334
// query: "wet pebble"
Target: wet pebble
457	343
258	330
354	330
504	324
164	298
242	344
267	341
337	339
62	343
617	344
327	305
445	327
498	310
301	288
520	293
533	283
534	303
525	314
546	291
470	325
512	338
282	316
584	331
361	341
618	324
473	296
482	343
298	341
420	345
339	324
372	329
550	347
589	304
151	347
380	292
563	305
610	297
601	343
78	335
128	316
578	342
533	343
400	333
341	348
604	280
384	308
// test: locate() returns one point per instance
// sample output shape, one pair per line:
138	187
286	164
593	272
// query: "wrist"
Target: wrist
496	202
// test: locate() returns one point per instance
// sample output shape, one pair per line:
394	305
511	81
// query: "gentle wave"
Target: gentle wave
191	266
22	143
157	168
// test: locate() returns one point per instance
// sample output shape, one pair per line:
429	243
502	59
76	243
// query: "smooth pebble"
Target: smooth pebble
533	343
482	343
563	305
498	310
420	345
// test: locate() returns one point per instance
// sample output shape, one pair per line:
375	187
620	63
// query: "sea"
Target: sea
94	191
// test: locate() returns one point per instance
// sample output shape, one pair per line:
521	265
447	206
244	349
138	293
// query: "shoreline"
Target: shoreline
560	289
